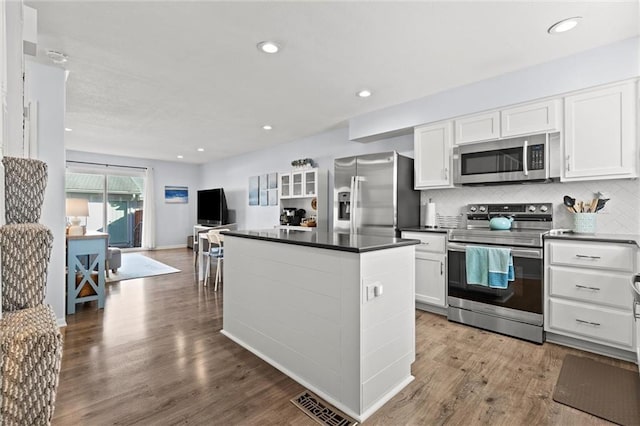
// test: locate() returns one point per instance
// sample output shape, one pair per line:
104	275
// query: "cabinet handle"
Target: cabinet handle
424	243
584	256
441	268
568	163
595	324
587	287
445	173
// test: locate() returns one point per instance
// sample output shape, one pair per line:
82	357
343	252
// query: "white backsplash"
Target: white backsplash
621	215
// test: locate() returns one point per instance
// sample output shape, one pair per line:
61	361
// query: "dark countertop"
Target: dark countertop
601	238
354	243
425	229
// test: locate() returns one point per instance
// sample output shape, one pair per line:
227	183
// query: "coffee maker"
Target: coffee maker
287	216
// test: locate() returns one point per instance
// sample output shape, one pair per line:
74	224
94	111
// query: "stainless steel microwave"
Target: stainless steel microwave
534	158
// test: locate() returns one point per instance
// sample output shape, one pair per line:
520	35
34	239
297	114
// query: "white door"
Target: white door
296	184
285	185
432	149
532	118
600	134
431	284
477	128
311	183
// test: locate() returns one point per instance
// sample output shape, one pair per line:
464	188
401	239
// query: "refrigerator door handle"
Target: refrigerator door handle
352	204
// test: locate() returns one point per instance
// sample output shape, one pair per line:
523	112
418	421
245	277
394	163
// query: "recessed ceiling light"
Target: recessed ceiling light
267	127
180	156
200	149
364	93
564	25
68	129
268	47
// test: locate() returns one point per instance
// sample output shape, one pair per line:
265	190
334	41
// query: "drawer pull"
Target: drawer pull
424	243
587	287
584	256
595	324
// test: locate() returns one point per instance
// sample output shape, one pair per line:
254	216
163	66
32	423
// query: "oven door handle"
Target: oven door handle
515	252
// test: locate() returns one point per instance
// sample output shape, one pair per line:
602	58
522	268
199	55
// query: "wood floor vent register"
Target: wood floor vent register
320	411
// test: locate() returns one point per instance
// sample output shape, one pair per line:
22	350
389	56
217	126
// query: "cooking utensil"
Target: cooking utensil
601	203
579	209
570	203
501	223
594	204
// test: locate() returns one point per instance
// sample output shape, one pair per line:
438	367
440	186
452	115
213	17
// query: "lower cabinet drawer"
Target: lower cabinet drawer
592	255
591	286
429	241
594	322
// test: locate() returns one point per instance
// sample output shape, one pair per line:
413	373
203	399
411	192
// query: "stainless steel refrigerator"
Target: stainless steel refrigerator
374	195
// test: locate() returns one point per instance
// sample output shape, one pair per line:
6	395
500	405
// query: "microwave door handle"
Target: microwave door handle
525	160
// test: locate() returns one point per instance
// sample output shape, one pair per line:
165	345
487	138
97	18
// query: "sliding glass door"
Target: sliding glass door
121	214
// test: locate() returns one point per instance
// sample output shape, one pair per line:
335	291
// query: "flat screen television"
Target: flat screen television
212	207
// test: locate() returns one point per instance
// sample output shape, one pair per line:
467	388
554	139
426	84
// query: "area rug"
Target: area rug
135	265
320	411
605	391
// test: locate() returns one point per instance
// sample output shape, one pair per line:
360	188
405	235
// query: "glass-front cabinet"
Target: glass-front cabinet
310	183
285	185
299	184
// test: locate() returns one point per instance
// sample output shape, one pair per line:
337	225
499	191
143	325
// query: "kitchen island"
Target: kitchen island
335	312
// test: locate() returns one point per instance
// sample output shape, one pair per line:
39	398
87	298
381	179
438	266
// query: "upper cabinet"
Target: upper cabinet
299	183
432	150
532	118
285	185
477	128
600	134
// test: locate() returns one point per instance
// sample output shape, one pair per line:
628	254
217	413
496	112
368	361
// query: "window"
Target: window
121	214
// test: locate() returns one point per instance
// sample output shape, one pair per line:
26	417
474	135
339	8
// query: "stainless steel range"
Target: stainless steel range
516	310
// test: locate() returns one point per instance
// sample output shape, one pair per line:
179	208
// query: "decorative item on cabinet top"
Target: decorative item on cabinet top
303	163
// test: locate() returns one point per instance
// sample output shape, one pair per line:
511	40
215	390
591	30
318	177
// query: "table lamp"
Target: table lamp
76	207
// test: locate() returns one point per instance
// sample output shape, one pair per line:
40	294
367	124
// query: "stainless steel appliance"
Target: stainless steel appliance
516	310
374	194
532	158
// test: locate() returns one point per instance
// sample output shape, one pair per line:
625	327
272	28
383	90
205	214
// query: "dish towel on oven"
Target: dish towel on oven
489	266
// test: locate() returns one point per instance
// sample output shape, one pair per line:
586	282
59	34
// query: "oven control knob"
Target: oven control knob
544	209
532	209
483	209
473	209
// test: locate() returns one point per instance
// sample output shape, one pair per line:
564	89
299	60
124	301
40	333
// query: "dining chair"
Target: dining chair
216	250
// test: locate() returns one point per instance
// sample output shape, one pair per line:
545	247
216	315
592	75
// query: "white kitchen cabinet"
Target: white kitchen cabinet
600	134
306	189
587	295
285	185
297	184
531	118
301	183
432	150
477	128
310	178
431	270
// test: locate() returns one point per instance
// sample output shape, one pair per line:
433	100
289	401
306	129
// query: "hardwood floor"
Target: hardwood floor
155	356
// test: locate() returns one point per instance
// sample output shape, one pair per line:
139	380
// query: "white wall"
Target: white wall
46	86
233	174
13	132
174	222
613	62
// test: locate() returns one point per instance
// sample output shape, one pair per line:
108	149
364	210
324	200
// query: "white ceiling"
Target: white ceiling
157	79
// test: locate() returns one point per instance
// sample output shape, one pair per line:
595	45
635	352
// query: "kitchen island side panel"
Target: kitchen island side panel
298	308
388	323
